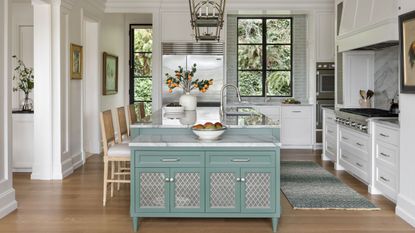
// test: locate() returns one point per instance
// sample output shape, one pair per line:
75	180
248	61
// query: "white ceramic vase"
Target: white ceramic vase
188	101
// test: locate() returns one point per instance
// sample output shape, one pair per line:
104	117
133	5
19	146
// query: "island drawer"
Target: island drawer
240	159
169	158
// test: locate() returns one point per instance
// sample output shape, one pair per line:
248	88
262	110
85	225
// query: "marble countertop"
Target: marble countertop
265	104
240	117
393	122
189	140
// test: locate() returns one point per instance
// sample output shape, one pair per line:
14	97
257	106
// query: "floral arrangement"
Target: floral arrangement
24	76
184	79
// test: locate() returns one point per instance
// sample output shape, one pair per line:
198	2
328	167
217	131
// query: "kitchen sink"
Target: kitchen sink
239	113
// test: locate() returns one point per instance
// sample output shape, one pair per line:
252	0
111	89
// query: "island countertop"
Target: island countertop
189	140
254	119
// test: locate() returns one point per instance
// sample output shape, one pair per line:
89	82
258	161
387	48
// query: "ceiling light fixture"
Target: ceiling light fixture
207	19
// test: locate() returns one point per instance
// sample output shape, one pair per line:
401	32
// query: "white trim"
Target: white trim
405	209
308	147
7	202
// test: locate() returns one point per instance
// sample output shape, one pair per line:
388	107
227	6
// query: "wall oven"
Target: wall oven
325	80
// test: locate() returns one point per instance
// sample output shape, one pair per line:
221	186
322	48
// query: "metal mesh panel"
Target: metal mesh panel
152	191
258	190
222	190
187	190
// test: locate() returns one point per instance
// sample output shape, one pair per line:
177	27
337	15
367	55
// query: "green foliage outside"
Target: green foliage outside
250	57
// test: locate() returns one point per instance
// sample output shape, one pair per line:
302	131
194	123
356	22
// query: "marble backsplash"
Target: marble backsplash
386	77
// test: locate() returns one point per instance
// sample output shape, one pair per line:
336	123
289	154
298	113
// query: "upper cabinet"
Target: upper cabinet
325	37
176	27
363	23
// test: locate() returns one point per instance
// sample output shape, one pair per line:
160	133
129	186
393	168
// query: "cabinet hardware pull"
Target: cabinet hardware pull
329	131
167	179
329	147
172	179
238	179
359	144
345	138
243	179
384	135
296	111
358	164
240	160
384	179
344	156
170	160
385	155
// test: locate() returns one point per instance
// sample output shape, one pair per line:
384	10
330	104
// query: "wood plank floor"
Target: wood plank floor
75	205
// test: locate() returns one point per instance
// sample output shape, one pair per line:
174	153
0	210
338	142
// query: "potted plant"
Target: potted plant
25	82
185	79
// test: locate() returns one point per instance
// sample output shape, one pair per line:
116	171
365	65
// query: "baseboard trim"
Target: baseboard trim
308	147
22	169
77	161
8	202
70	164
405	208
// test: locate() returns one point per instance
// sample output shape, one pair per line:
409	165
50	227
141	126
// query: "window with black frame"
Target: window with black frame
265	56
141	41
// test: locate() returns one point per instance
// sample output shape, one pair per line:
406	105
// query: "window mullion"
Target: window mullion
264	56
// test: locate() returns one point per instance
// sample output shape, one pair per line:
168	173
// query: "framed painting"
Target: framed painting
110	74
76	60
407	48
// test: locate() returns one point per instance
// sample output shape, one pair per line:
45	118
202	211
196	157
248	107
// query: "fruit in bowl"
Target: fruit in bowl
209	130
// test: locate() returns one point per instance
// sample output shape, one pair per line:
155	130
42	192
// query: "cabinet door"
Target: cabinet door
258	190
152	190
223	190
187	190
296	131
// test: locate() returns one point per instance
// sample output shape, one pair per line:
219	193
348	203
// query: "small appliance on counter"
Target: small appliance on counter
394	108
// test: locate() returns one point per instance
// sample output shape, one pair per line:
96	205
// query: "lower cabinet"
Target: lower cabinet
227	184
297	126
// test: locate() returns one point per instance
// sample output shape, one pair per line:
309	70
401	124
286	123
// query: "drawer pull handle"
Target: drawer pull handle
358	164
243	179
170	160
329	131
384	179
359	144
345	138
297	111
240	160
329	148
385	155
384	135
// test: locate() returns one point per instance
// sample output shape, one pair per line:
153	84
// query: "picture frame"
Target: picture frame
76	61
407	52
110	74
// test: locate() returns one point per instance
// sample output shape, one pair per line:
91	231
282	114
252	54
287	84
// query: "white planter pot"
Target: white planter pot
188	101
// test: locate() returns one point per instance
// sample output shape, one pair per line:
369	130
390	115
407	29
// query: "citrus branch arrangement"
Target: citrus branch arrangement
184	79
24	77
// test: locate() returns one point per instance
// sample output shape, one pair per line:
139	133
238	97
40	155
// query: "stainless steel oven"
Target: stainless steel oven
325	80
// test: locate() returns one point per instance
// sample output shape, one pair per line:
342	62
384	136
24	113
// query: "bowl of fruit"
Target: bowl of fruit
209	130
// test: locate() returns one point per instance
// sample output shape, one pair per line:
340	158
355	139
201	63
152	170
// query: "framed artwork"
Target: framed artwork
407	44
76	61
110	74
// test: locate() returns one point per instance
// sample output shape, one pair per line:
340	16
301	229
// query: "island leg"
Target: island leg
135	224
274	224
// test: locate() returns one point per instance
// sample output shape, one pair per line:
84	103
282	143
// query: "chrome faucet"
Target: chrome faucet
222	106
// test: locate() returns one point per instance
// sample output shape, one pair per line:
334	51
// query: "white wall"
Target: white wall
7	194
406	198
22	41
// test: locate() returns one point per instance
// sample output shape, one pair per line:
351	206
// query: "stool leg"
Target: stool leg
112	177
104	201
119	176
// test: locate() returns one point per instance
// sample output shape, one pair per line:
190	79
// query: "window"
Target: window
141	41
265	56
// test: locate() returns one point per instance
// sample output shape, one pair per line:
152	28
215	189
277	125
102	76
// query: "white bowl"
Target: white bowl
177	109
209	134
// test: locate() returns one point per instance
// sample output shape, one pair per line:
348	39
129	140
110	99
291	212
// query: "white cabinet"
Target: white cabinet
330	132
176	27
358	74
296	126
325	37
22	142
386	153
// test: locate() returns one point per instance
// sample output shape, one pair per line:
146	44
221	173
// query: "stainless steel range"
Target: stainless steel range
357	118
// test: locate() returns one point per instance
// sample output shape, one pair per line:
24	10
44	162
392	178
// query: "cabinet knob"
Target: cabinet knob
167	179
238	179
172	179
243	179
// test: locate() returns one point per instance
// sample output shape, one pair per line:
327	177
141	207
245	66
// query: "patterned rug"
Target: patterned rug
308	186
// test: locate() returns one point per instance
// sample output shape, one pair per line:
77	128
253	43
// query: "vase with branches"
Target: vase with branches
24	78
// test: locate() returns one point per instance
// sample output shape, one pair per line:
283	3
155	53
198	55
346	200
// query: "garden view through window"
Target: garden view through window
265	56
140	65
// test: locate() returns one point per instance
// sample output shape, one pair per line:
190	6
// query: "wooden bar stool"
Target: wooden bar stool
113	153
123	137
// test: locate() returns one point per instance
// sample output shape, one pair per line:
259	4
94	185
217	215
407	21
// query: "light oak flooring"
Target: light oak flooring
75	205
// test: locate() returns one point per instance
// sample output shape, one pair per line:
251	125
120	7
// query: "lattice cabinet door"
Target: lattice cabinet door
187	193
223	194
152	190
258	190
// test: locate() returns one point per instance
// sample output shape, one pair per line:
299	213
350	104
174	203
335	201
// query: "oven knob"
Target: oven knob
353	124
347	122
364	127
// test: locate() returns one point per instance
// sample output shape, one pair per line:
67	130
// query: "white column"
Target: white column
7	194
47	89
